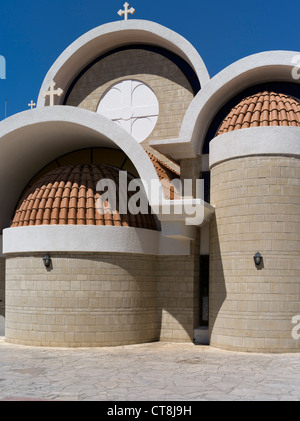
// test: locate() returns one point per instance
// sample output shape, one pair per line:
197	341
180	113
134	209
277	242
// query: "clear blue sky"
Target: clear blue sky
33	33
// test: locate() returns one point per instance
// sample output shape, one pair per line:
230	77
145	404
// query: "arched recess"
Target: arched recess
32	139
271	66
292	90
115	35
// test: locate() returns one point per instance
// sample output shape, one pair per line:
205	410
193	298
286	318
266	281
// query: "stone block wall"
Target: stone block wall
100	299
2	286
257	202
178	297
84	300
168	82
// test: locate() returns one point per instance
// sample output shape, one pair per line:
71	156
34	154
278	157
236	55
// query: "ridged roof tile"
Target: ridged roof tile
68	196
262	109
166	175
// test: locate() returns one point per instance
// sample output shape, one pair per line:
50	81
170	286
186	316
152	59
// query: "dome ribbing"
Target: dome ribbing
262	109
69	196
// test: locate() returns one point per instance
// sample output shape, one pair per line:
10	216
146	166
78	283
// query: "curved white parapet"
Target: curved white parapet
255	141
257	68
186	211
110	36
90	238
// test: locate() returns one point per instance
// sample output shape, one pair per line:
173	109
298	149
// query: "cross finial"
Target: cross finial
52	92
126	11
32	104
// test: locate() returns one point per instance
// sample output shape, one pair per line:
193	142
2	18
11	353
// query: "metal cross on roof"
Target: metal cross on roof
32	104
126	11
52	92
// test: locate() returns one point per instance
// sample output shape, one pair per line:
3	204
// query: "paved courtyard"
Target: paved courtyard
149	372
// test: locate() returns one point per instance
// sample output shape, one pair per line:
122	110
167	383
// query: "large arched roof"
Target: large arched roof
258	68
31	139
113	35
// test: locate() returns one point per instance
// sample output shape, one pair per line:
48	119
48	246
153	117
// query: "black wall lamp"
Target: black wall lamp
47	260
257	259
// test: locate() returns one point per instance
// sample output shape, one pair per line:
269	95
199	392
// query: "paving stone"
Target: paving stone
149	372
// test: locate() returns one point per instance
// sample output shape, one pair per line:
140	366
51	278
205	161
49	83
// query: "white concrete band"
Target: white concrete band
111	36
255	141
187	211
90	238
257	68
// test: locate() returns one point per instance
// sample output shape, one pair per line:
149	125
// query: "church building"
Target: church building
200	240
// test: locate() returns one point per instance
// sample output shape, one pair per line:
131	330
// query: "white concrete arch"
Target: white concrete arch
33	138
258	68
110	36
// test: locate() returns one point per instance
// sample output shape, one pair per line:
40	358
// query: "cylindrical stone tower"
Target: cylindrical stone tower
91	294
255	188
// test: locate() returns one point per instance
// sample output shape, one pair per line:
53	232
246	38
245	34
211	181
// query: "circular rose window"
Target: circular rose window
133	105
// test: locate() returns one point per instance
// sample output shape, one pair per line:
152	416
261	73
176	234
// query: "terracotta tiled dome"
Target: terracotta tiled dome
262	109
68	196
